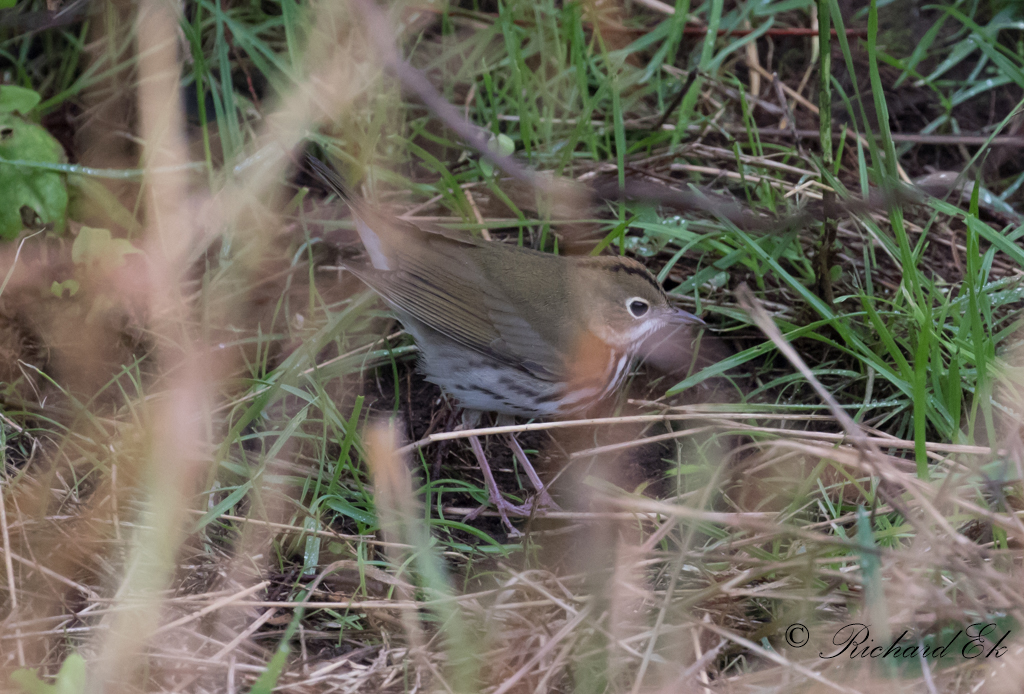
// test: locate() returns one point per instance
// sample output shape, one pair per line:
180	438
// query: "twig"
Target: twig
776	658
645	419
868	450
795	31
417	83
658	6
916	138
797	96
566	629
625	445
88	592
226	601
12	587
761	319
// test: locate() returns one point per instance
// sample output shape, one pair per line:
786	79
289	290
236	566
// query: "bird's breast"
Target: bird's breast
593	371
596	370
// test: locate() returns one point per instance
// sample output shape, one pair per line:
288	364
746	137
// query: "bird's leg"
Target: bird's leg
543	500
470	420
503	506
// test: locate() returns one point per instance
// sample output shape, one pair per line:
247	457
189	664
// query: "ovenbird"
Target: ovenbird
507	329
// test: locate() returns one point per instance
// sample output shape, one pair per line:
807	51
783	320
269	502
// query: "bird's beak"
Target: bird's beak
679	318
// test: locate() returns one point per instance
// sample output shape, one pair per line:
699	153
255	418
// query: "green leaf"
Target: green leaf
28	681
90	199
15	99
228	502
871	568
29	196
70	679
268	679
503	146
58	288
311	556
336	503
96	247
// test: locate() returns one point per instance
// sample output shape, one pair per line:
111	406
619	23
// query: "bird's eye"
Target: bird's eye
638	308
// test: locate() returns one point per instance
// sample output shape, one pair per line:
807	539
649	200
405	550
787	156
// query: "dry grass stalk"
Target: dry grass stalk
177	451
401	525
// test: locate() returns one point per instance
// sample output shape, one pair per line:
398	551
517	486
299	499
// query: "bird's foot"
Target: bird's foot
505	508
542	501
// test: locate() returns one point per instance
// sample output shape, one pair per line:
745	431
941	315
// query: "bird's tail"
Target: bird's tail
329	177
371	239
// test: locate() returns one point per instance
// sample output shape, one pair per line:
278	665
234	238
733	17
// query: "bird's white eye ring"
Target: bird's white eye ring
637	307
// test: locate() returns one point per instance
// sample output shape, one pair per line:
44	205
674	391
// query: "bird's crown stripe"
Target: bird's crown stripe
630	269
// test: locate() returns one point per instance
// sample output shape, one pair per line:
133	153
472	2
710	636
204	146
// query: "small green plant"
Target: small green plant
95	250
31	196
95	253
70	679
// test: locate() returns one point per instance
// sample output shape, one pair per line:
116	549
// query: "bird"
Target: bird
507	329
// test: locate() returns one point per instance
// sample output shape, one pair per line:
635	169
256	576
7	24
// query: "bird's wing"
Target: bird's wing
453	299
